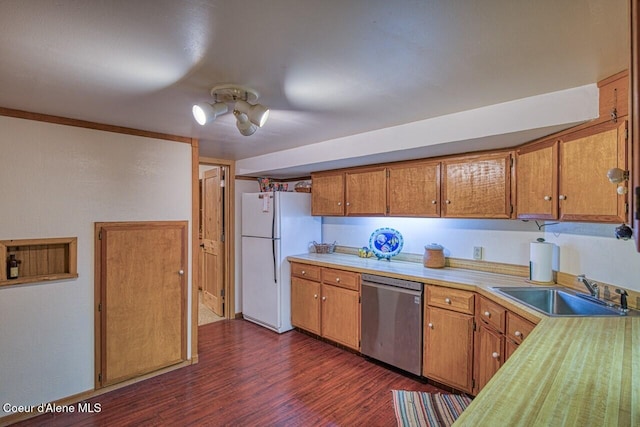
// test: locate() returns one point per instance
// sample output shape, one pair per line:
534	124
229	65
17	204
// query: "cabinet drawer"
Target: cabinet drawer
343	279
306	271
518	328
450	299
492	314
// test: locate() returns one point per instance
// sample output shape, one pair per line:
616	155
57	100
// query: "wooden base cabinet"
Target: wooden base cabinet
517	330
305	305
498	334
448	344
326	302
489	341
448	337
340	316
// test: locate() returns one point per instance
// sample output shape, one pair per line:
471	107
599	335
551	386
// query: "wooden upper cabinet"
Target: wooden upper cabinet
585	157
327	196
413	189
366	192
477	186
537	181
613	102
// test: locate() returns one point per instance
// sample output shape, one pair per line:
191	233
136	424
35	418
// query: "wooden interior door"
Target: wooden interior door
212	243
141	292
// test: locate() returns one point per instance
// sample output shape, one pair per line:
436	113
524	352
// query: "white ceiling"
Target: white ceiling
327	69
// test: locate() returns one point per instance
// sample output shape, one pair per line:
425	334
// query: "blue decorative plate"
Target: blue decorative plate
386	242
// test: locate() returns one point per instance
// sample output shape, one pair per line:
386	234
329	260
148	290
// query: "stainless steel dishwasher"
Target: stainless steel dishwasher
392	321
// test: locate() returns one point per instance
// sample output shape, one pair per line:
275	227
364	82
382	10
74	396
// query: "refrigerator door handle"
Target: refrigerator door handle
273	252
273	244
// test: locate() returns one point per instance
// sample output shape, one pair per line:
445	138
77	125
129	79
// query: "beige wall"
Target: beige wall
56	181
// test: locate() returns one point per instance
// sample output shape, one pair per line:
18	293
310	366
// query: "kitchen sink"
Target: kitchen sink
559	301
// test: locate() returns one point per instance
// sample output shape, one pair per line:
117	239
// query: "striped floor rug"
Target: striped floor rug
416	408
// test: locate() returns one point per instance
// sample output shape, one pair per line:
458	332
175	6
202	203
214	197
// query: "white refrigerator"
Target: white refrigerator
274	226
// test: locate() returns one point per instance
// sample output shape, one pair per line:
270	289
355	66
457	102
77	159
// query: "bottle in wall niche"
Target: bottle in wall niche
12	267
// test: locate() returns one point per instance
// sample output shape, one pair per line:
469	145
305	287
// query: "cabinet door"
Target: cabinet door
414	190
477	186
537	181
488	355
585	191
305	305
448	348
366	192
509	348
341	316
327	195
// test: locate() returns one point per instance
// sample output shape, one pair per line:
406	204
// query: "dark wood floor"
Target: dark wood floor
250	376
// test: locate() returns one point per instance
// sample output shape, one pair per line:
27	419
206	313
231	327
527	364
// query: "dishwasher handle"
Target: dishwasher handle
393	288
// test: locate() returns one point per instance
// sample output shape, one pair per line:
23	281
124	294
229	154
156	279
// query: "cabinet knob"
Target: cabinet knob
324	298
547	198
303	272
486	313
431	325
447	300
562	197
518	333
433	202
315	296
181	272
337	279
495	355
339	203
447	202
348	204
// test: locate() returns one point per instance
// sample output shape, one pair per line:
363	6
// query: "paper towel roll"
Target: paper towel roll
540	262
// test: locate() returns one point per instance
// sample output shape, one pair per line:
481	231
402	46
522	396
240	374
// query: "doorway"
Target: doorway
215	281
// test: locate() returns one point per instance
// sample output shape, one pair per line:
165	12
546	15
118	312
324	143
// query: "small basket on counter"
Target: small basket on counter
324	248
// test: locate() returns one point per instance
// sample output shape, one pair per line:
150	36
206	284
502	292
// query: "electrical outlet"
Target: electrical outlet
477	252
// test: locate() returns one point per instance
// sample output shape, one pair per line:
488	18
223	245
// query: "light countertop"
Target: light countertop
569	371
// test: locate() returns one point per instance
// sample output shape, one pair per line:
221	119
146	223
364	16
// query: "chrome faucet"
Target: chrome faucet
591	285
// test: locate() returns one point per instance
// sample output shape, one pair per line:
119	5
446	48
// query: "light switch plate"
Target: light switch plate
477	252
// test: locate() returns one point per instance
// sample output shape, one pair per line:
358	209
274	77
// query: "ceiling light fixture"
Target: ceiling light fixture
243	124
248	116
206	113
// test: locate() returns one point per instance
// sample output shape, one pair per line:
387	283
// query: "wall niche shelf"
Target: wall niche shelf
41	260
